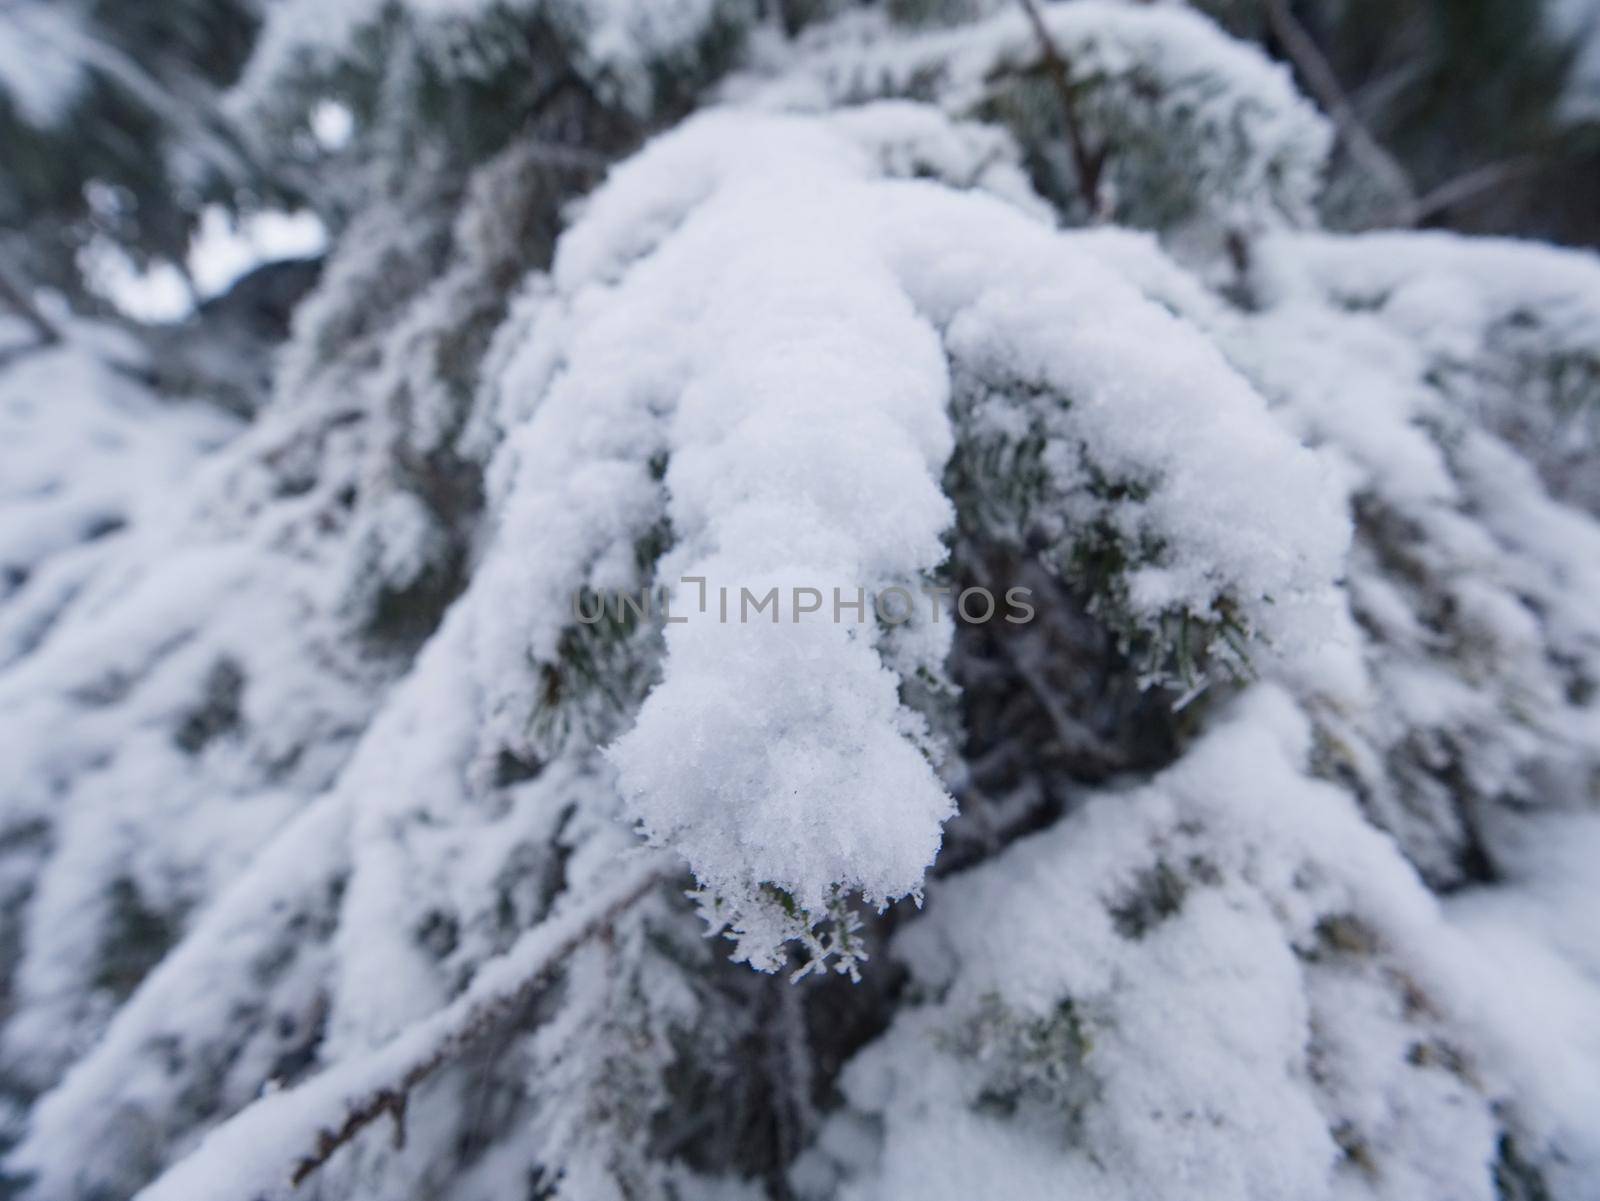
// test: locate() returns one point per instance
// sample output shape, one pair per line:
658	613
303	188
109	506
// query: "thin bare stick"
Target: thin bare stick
1318	74
1088	163
1470	186
1074	737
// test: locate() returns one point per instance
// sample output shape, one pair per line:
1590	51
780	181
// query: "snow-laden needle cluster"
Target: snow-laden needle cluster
340	858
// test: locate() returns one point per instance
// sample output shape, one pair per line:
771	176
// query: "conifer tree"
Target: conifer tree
424	773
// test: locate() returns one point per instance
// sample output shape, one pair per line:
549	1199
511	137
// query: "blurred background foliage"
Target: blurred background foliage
121	121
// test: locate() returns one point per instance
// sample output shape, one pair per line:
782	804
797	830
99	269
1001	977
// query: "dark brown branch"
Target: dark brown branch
1089	163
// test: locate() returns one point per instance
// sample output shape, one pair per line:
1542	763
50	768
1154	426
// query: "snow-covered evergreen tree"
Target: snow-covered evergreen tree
481	758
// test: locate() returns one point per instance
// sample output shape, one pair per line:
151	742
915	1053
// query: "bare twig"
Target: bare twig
1019	647
1319	76
565	158
1089	163
1469	186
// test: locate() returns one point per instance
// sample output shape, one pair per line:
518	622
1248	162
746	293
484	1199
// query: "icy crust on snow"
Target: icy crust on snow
1203	134
1224	983
701	321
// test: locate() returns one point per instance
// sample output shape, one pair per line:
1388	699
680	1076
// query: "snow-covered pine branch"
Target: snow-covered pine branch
759	219
1200	135
1257	861
243	1158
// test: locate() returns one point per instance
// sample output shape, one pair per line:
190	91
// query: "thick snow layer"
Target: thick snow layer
177	690
716	256
693	365
317	793
1509	330
1203	134
1225	983
1451	384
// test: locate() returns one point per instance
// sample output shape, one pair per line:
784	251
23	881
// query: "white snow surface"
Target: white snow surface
41	62
1306	993
716	256
761	343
